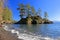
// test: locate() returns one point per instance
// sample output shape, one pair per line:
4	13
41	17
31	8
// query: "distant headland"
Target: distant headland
31	16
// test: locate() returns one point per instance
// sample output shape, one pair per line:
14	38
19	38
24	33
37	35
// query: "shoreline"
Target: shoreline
5	35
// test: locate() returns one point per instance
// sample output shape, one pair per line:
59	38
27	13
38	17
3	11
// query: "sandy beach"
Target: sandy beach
4	35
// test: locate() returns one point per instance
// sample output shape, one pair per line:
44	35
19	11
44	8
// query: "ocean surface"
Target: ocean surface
36	31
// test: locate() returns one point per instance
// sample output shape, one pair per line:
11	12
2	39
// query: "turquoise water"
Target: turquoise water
44	31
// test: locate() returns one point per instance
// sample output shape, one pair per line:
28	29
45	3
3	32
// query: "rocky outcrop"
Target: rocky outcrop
34	20
46	21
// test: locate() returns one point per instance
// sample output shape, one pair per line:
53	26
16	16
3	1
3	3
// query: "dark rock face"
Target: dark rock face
34	22
22	21
48	22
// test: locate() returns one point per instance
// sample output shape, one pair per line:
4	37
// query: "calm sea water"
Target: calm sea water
35	32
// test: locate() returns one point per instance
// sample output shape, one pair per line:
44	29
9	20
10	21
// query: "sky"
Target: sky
52	7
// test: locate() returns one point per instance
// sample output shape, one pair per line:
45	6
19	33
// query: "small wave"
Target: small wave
27	36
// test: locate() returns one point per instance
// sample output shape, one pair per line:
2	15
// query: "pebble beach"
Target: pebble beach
5	35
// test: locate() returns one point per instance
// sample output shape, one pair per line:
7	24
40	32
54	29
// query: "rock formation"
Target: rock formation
32	16
34	20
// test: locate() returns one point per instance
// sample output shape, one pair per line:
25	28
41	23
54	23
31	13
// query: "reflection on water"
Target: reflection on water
36	32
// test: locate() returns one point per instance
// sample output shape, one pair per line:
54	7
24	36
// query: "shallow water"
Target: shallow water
35	32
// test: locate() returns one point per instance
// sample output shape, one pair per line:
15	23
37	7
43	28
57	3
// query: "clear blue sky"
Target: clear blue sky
51	6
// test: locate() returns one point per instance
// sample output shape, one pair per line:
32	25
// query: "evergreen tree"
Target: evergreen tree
28	9
7	14
28	6
45	15
33	11
39	12
21	9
